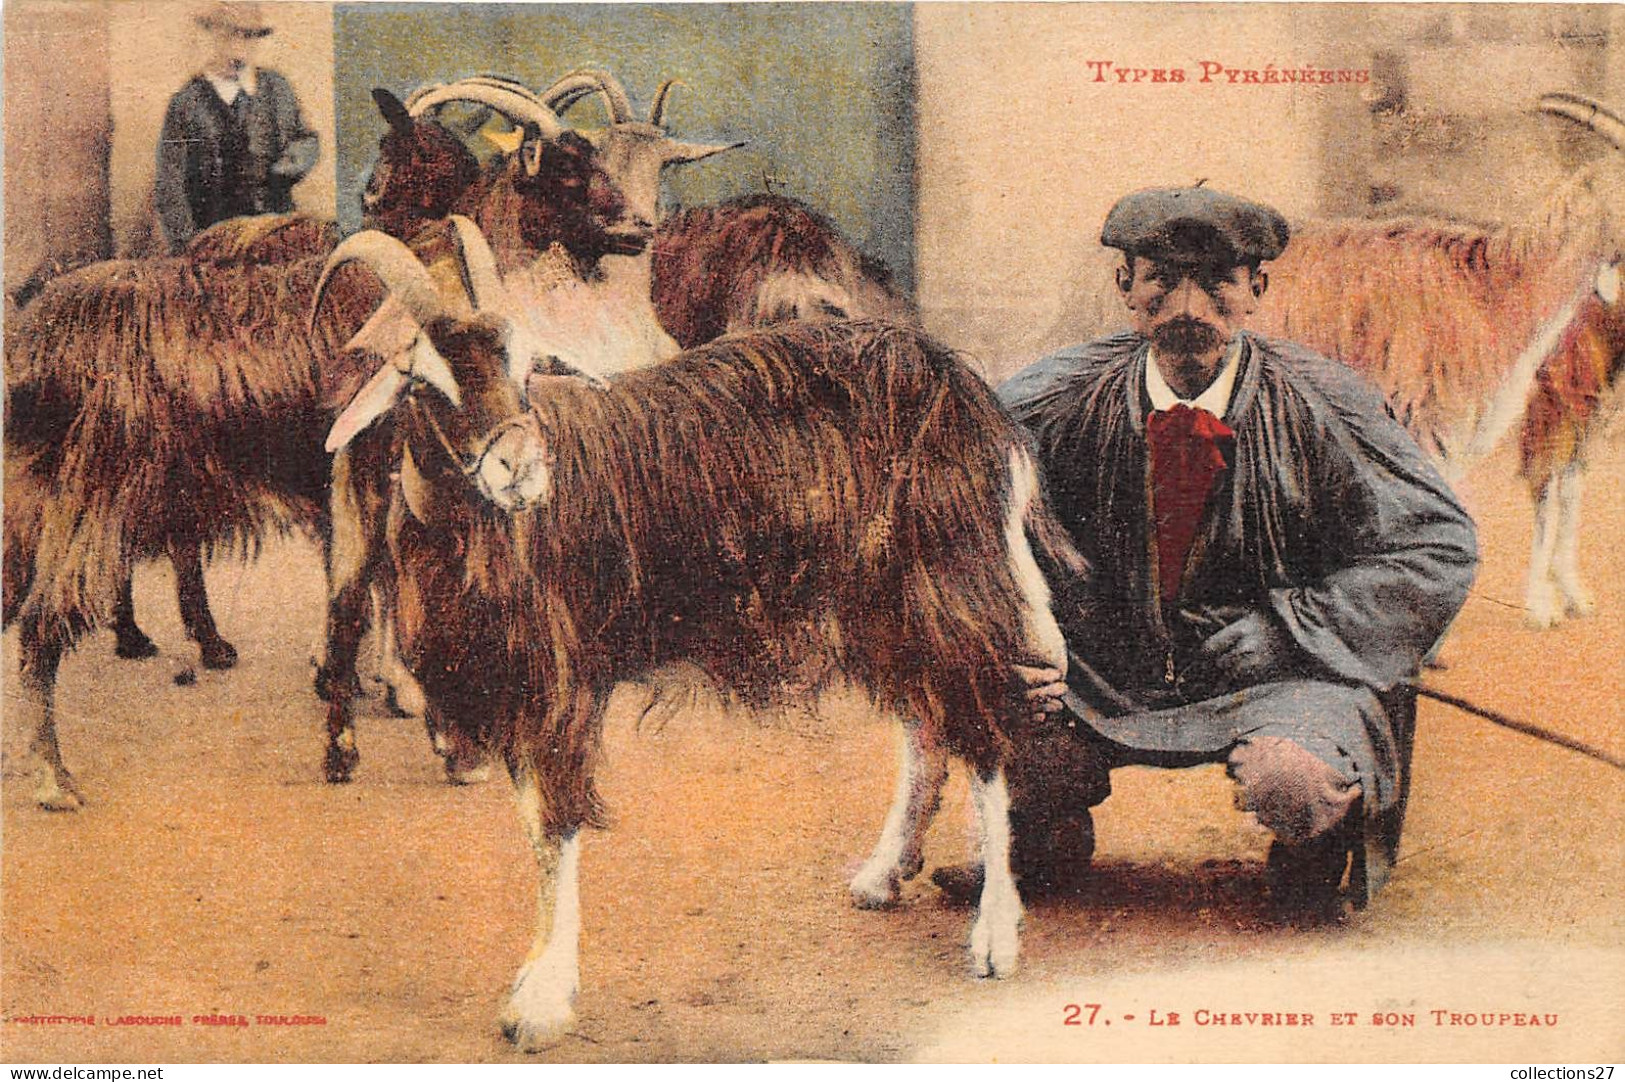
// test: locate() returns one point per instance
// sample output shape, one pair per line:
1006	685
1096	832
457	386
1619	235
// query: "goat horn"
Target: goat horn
576	85
1588	111
657	111
501	82
678	153
520	108
402	273
480	275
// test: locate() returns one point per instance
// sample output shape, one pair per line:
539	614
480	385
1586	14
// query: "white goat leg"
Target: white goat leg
1043	633
540	1008
1544	609
922	772
995	937
1577	600
405	694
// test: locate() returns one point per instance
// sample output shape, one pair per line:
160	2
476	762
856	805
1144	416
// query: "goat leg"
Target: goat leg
56	790
541	1008
995	937
897	856
336	679
214	651
133	643
1544	608
1577	600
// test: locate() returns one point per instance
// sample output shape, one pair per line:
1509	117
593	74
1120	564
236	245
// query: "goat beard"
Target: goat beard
1186	337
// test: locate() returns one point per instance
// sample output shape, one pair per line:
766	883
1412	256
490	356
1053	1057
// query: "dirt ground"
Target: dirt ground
213	872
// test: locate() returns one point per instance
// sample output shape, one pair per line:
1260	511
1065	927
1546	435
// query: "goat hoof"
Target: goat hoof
135	647
875	889
1580	604
58	792
539	1013
995	938
466	773
59	801
340	764
218	654
328	682
405	700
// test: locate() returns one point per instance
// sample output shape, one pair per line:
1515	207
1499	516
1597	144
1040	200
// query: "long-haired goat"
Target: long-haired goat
420	170
751	261
851	477
1468	330
1464	328
149	413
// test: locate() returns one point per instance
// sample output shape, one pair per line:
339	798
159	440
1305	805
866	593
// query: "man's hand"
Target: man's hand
1044	689
1251	650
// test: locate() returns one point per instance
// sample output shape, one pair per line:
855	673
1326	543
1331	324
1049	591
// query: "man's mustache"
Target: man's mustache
1187	335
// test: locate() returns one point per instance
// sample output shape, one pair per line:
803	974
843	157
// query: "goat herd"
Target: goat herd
552	443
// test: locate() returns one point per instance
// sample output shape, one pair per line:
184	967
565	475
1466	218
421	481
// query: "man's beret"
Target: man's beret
1198	224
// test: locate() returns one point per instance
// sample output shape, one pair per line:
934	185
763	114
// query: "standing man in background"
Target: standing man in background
233	141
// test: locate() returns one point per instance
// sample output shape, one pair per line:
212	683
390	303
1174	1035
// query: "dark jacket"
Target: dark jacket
218	161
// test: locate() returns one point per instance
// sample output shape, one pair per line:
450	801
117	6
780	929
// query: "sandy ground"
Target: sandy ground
213	872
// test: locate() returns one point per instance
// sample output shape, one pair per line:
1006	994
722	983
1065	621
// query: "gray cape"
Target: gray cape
1330	518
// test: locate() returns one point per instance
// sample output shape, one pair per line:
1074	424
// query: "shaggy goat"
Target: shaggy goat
752	261
747	262
760	260
1464	327
851	478
1461	325
149	413
431	168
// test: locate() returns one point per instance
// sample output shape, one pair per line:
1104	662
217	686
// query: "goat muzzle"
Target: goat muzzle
514	469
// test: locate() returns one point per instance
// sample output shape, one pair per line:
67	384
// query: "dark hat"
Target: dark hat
1195	224
244	19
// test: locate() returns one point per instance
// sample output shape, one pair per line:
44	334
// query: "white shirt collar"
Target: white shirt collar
228	89
1215	399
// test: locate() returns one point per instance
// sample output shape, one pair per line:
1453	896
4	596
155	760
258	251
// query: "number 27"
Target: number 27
1075	1011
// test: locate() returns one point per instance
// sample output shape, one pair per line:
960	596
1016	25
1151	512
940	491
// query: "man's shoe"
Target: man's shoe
1305	882
960	884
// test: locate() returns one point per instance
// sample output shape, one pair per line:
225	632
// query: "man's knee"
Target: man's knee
1292	791
1055	768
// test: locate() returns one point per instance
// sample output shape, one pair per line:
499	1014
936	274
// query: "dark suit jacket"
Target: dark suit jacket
218	161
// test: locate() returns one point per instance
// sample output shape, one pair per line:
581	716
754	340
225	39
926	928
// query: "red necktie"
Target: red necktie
1187	456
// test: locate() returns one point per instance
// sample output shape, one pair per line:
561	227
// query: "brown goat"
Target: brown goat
760	260
149	413
853	478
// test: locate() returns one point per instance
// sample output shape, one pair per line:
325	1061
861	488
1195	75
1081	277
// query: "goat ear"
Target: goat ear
678	153
394	112
1608	283
376	398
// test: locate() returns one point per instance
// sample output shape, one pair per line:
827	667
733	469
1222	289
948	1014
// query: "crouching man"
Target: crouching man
1270	554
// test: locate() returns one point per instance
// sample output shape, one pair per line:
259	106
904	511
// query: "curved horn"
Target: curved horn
520	108
657	111
1588	111
480	275
406	278
502	82
576	85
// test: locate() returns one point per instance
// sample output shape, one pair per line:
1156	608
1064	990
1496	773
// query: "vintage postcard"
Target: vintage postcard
510	535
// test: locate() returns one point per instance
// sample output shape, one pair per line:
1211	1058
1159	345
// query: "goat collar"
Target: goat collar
470	465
